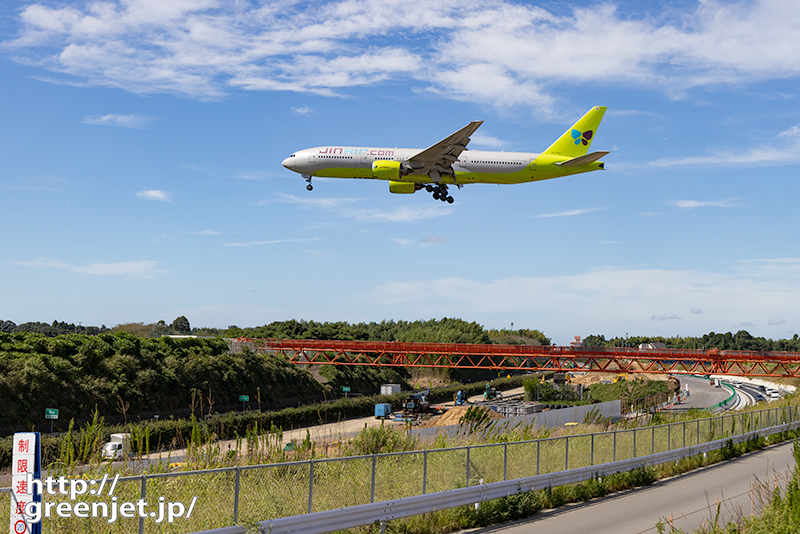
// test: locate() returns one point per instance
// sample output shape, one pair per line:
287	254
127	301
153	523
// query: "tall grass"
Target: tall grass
403	466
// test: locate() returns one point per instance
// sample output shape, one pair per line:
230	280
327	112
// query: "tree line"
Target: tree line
741	340
56	328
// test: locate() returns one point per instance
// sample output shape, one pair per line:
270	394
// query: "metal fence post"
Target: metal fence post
143	495
372	491
566	454
669	437
505	461
615	446
698	431
425	471
538	445
236	497
310	484
684	434
591	455
634	442
467	465
653	440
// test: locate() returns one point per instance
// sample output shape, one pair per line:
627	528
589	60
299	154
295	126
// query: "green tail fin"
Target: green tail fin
577	140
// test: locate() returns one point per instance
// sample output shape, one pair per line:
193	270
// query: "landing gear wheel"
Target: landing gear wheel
429	188
449	200
309	187
443	197
436	195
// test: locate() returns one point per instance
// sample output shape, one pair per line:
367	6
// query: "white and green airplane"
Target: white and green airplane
448	162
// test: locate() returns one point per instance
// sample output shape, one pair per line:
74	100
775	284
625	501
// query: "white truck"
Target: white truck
118	448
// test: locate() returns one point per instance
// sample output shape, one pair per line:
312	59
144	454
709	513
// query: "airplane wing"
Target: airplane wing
582	160
440	156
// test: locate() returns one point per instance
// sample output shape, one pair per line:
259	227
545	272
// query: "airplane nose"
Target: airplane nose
288	162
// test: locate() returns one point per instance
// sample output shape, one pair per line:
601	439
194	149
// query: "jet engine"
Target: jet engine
389	170
403	188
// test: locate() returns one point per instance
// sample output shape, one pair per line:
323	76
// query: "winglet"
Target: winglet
576	141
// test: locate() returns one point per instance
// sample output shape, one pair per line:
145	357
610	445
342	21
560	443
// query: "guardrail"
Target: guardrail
291	495
726	401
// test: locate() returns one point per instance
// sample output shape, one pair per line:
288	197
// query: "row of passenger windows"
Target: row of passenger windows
351	157
396	159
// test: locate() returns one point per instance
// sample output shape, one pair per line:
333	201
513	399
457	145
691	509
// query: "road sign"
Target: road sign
51	413
26	462
244	398
346	389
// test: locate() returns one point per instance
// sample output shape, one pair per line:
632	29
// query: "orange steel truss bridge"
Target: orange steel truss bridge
527	358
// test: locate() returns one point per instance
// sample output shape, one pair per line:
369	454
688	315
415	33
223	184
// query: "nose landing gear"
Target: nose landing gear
308	179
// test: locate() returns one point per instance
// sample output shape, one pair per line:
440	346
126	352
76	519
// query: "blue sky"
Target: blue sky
142	144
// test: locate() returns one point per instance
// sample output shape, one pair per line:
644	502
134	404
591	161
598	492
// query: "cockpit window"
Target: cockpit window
291	156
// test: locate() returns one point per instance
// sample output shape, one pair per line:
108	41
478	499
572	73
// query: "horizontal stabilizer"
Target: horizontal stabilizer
582	160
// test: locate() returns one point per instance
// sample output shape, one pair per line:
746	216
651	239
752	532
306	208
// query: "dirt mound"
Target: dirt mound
452	416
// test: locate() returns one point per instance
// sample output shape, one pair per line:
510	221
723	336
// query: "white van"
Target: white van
118	448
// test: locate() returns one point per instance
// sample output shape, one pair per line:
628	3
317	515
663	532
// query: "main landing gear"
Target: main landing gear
308	179
439	192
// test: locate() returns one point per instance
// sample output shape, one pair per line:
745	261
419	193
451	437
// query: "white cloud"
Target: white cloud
345	207
138	122
692	204
695	311
607	299
665	317
304	110
522	54
791	132
270	242
569	213
125	268
154	194
206	232
401	214
133	269
785	149
432	240
481	140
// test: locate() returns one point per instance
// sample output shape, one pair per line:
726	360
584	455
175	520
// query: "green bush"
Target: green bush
78	373
629	390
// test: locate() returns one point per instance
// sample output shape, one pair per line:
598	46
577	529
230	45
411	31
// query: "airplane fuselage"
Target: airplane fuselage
471	167
449	162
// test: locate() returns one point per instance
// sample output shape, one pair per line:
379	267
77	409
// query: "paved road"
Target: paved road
686	498
701	394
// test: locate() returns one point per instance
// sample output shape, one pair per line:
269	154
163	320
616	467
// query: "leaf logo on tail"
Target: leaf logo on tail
582	137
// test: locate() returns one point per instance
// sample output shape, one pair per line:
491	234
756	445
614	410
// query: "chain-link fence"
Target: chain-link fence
246	494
